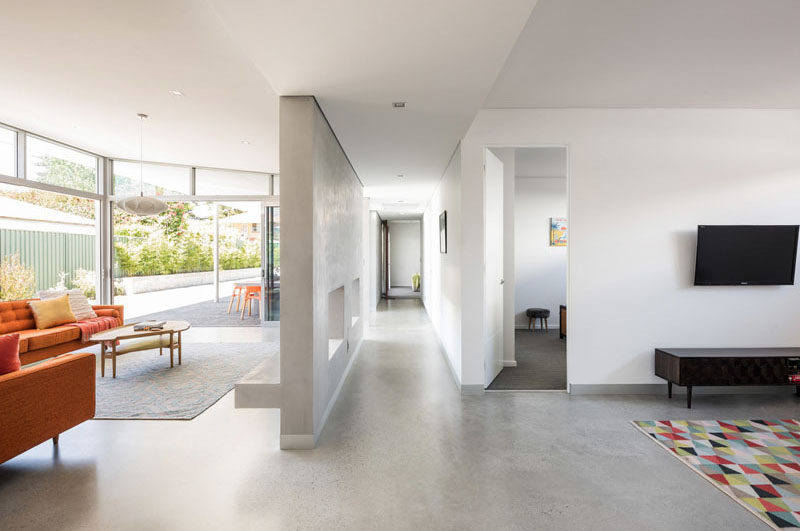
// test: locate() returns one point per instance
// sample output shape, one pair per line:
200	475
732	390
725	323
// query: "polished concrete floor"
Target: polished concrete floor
403	292
402	450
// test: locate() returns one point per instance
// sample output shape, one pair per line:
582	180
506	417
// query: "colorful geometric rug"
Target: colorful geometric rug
755	462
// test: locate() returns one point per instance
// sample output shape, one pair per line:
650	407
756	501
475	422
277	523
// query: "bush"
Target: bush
83	279
189	253
17	281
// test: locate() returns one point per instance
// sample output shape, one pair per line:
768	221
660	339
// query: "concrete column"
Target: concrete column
297	272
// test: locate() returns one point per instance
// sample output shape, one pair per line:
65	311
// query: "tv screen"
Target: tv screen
730	255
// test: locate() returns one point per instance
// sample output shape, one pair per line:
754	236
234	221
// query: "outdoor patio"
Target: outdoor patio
194	304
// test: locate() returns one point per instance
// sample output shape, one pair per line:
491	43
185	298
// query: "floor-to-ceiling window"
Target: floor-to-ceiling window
59	228
49	210
8	152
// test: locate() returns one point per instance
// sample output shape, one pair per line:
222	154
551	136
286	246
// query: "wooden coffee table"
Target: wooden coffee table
168	336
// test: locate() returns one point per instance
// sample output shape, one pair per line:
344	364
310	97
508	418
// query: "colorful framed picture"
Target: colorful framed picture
558	232
443	232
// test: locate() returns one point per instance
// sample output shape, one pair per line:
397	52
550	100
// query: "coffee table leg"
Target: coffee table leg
180	348
171	351
114	359
102	359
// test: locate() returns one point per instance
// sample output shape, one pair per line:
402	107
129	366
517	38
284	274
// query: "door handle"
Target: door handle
502	281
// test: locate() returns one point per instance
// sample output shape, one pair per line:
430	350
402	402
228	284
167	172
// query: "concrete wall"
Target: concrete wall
541	270
441	277
322	250
404	251
640	181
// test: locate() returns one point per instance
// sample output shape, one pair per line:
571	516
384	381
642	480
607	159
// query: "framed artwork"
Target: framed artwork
558	232
443	232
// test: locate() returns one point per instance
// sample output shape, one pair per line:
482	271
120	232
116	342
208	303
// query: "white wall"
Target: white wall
323	215
441	275
404	251
640	181
374	291
540	270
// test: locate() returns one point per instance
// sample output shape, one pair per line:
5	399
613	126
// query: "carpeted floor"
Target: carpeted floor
207	313
541	363
147	388
755	462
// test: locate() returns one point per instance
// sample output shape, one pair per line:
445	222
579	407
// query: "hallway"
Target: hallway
402	450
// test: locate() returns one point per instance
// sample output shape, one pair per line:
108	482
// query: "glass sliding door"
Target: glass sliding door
272	258
240	258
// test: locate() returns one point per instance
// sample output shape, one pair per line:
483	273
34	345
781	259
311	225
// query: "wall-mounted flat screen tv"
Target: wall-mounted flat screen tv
740	255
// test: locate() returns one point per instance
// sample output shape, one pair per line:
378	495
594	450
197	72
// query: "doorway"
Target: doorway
404	257
534	211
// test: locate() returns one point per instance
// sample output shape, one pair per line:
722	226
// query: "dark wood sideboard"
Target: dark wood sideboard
727	366
562	321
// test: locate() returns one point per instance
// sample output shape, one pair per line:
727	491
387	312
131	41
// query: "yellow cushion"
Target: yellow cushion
52	312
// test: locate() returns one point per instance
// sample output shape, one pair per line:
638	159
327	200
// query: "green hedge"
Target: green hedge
189	253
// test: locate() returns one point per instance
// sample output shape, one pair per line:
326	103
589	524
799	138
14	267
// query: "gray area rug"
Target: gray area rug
541	363
207	313
146	387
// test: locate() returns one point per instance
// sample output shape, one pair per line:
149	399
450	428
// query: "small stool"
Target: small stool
538	313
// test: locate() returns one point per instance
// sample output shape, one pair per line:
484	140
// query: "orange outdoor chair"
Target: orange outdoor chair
252	293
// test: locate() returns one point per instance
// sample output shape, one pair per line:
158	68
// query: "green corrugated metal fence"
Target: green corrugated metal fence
49	253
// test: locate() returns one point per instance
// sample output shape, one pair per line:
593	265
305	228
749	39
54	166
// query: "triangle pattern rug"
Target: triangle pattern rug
755	462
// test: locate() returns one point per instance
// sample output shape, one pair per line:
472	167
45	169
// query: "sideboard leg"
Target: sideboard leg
669	389
689	397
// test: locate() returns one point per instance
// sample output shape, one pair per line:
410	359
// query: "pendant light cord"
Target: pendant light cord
141	156
142	118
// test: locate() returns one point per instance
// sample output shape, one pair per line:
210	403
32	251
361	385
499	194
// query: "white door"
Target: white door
493	266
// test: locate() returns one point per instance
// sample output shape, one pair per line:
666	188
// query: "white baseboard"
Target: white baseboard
509	363
661	389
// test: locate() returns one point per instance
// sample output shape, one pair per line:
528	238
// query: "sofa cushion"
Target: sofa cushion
78	302
9	353
57	335
15	316
52	312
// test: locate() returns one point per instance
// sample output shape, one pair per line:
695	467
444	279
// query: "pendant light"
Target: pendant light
141	205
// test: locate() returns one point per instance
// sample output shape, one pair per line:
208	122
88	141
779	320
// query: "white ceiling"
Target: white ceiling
80	71
358	56
655	53
544	162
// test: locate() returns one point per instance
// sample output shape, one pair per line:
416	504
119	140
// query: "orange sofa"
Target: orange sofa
40	402
36	345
